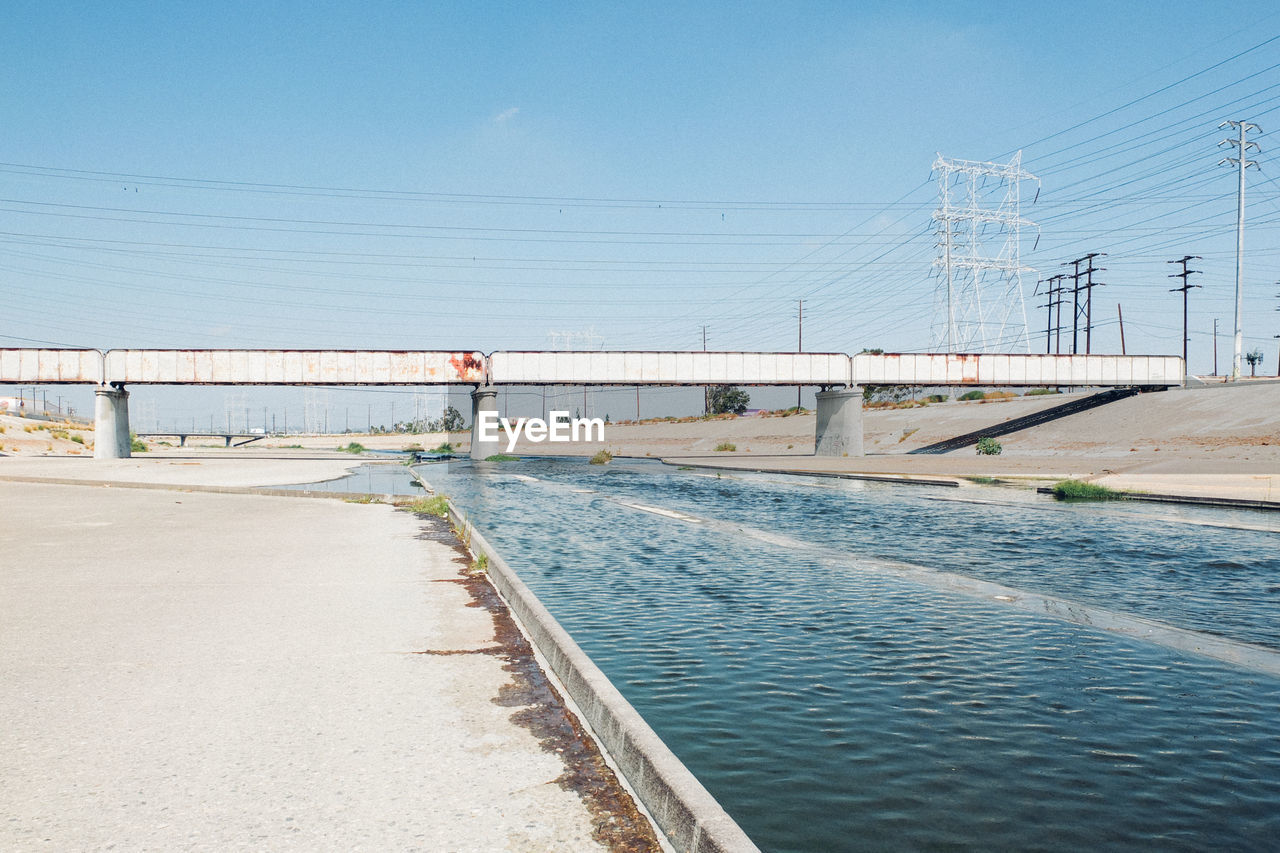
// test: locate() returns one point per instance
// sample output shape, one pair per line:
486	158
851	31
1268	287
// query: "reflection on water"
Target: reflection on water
374	479
829	703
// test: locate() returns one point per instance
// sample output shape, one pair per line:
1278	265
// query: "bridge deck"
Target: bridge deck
372	367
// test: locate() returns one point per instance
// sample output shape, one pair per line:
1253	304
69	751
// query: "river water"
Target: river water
833	699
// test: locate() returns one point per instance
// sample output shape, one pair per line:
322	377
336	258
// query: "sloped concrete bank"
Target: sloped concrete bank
684	810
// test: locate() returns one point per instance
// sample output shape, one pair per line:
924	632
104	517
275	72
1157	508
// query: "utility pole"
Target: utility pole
1120	313
1090	284
1075	313
1186	289
1215	346
706	389
799	345
1048	324
1054	305
1242	162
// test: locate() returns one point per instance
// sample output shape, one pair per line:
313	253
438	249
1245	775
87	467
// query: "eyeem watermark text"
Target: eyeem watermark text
561	428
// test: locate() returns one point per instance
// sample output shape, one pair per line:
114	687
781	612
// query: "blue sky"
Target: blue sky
481	175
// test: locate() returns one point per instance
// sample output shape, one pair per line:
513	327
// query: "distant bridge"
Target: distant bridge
839	427
227	437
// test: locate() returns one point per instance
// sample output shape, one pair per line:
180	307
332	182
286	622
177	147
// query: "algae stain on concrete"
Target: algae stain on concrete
616	821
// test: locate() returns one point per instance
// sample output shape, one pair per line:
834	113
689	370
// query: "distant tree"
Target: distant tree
870	392
452	420
1254	358
728	398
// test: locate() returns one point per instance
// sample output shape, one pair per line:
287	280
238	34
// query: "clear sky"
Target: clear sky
482	175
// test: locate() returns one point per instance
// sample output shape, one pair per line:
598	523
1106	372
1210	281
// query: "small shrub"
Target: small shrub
602	457
728	399
726	446
975	394
443	448
1078	490
437	506
353	447
988	446
936	398
413	448
78	439
1036	392
137	445
363	499
501	457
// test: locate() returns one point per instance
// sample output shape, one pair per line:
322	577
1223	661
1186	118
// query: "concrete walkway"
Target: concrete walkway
184	670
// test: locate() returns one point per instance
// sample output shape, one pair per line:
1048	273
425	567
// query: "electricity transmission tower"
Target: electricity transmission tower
979	300
586	339
315	411
1242	162
237	409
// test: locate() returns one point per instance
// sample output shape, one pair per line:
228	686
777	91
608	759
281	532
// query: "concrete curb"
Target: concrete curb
684	810
1202	500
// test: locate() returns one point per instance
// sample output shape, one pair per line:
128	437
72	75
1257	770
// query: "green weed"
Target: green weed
988	446
437	506
1078	490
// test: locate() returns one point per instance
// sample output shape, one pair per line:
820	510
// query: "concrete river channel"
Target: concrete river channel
851	665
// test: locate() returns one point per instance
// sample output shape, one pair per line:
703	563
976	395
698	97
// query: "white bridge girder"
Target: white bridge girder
372	367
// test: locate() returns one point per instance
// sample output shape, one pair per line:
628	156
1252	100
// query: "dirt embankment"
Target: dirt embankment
31	437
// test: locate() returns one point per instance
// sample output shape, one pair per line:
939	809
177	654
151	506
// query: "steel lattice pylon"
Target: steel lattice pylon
979	304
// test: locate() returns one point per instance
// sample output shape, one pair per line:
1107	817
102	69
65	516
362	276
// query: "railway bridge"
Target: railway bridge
838	375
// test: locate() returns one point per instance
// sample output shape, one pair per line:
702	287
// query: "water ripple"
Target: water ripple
832	707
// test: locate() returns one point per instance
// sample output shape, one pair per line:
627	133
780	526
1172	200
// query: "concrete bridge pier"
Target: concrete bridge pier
839	428
111	423
483	399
